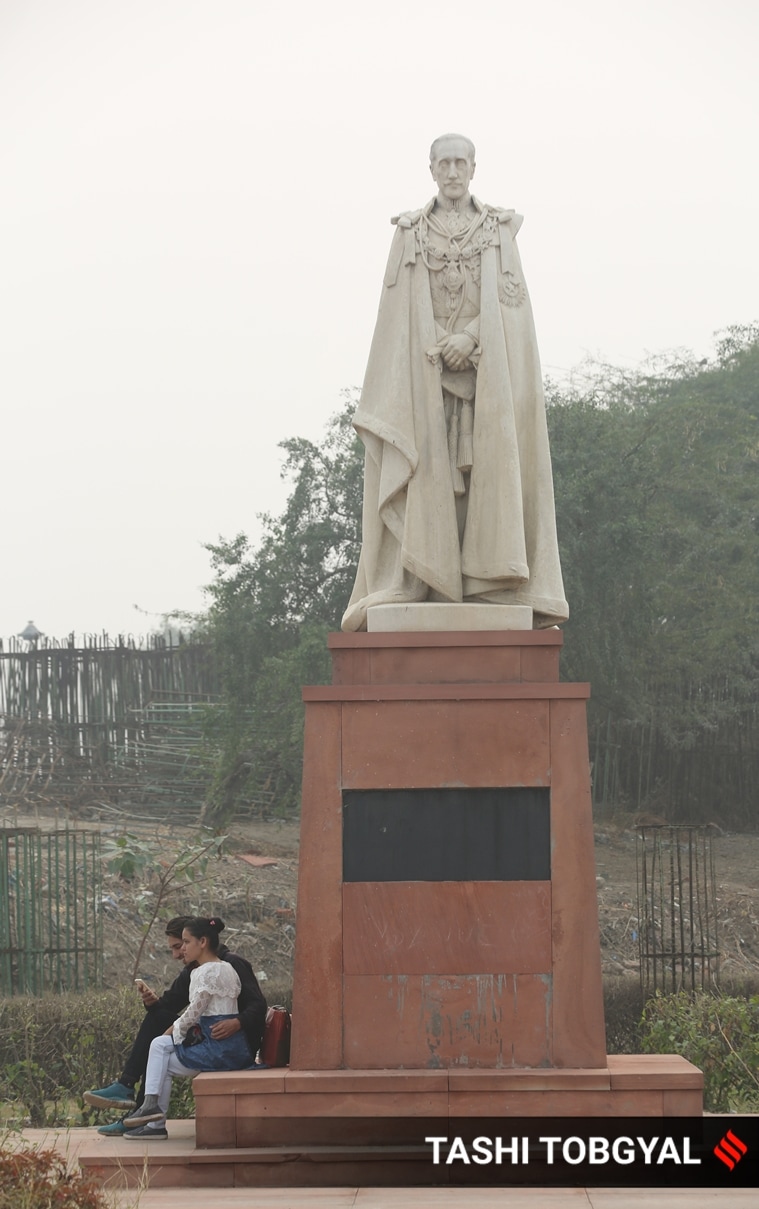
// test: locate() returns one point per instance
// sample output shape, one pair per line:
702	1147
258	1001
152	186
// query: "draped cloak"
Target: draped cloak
412	550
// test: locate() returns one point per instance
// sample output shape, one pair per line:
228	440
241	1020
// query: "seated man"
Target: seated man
162	1011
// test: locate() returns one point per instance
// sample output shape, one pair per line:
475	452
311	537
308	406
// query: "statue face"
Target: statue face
452	169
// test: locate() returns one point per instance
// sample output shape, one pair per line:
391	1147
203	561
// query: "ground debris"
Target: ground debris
257	898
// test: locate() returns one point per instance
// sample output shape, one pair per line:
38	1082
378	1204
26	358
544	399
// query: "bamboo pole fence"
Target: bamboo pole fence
104	722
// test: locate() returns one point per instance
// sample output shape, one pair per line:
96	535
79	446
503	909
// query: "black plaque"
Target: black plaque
446	835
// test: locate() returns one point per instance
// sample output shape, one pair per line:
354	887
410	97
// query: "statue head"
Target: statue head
452	164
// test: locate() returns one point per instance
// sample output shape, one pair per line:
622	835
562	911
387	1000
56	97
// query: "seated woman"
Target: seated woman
187	1047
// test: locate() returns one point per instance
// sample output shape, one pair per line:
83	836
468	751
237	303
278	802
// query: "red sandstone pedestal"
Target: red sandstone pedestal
443	973
447	959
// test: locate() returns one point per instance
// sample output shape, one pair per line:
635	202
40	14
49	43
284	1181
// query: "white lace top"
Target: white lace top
214	987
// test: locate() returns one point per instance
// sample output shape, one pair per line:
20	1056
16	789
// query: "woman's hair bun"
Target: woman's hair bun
217	923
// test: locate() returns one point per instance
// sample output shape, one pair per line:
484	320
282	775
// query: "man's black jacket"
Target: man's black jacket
251	1005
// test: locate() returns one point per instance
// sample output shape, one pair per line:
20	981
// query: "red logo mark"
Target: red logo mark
730	1150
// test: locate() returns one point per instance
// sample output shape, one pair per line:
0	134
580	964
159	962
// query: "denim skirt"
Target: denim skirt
233	1053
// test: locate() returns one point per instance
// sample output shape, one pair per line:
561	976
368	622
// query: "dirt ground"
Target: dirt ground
253	886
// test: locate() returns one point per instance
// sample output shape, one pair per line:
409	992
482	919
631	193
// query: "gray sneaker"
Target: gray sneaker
147	1132
146	1112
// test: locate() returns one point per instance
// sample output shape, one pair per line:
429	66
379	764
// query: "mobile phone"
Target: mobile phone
141	983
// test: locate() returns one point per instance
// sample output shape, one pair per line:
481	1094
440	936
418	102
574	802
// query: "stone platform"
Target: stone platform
171	1159
283	1128
362	1107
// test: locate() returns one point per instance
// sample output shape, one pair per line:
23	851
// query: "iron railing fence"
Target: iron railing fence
51	927
677	908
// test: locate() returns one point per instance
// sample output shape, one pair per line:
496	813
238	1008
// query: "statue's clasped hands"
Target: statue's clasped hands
456	350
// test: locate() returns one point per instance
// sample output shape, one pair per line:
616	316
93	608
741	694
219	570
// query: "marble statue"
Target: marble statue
458	493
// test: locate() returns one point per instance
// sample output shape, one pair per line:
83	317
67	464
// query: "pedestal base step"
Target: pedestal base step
293	1107
427	618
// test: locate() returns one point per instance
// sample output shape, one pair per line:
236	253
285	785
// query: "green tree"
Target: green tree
271	609
658	512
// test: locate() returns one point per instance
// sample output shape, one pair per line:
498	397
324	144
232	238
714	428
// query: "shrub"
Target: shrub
54	1048
40	1179
624	1000
719	1034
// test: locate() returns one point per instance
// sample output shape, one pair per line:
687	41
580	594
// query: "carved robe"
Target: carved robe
458	493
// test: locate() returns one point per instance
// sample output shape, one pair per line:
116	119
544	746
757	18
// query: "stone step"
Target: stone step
178	1164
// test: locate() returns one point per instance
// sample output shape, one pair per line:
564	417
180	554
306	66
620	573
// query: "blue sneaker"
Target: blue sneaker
115	1095
114	1130
147	1133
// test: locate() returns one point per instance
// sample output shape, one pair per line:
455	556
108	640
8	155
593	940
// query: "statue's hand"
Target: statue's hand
456	350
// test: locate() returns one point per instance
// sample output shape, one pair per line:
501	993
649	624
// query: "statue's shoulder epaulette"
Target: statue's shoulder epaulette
406	219
499	213
508	216
403	250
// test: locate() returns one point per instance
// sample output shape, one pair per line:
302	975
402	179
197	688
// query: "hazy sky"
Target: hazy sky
194	206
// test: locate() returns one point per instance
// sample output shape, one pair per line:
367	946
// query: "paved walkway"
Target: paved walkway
442	1198
68	1142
